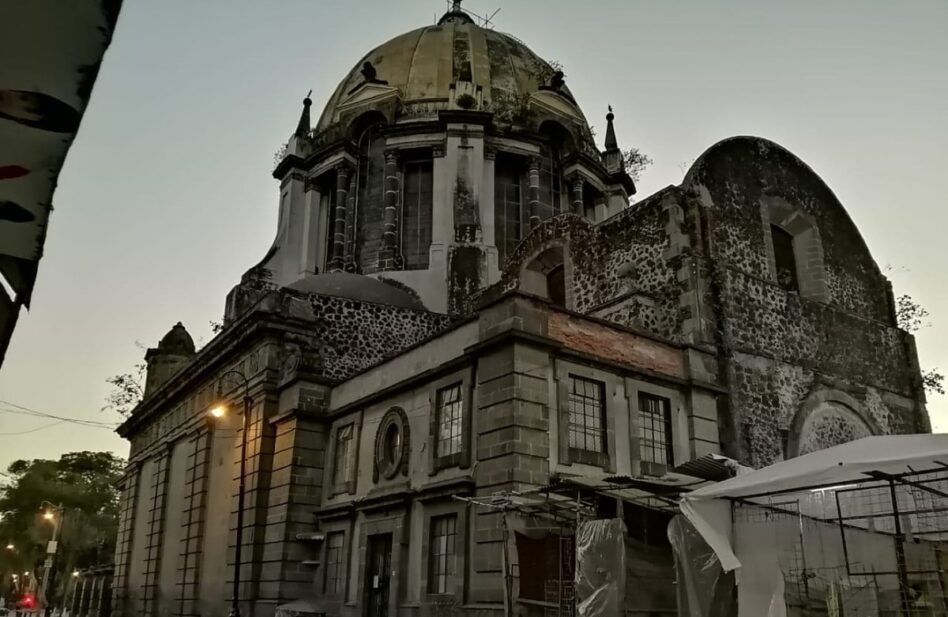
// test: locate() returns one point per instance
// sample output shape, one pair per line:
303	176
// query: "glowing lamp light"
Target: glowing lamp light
75	572
218	412
48	515
10	546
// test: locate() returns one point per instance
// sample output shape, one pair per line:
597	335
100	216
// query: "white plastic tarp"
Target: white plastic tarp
709	508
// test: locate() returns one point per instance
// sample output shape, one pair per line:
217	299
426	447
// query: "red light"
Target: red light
29	600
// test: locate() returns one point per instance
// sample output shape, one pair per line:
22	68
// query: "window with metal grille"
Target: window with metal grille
586	414
416	214
335	562
343	464
655	434
442	550
450	420
508	204
785	260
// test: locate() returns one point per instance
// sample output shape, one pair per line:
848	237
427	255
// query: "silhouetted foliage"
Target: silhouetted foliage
635	163
912	317
128	389
84	483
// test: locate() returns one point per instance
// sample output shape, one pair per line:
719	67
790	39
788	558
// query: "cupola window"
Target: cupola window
416	213
508	204
370	208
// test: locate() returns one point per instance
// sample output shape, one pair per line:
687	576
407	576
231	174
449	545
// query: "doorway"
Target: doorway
378	574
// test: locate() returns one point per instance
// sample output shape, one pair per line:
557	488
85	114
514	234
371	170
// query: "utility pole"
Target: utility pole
55	514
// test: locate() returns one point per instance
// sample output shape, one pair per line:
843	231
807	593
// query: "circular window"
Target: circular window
391	445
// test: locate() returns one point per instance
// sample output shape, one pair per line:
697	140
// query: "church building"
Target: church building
467	334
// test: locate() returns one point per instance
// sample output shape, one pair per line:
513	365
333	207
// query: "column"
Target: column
576	185
339	234
389	251
534	192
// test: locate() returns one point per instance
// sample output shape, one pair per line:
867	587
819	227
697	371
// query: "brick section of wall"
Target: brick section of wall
156	516
123	544
195	495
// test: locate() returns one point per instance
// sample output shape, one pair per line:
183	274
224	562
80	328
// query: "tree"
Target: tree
84	483
635	162
912	317
128	389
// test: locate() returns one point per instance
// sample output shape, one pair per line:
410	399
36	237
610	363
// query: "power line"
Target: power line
26	411
35	429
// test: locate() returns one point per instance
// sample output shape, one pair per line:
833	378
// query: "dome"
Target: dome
357	287
434	67
177	341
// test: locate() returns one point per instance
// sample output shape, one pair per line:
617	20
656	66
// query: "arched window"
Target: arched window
556	285
785	261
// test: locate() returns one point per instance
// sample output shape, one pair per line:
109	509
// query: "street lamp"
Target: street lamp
10	546
218	412
54	514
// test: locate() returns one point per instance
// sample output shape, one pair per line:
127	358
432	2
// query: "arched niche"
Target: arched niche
827	418
547	274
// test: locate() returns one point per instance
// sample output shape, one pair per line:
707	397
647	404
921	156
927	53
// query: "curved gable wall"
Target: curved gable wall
737	176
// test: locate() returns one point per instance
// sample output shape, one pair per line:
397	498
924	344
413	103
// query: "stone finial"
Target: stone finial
557	81
303	127
611	142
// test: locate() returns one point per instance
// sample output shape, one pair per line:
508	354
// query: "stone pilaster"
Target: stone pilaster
123	544
296	482
259	464
156	515
512	426
389	251
339	230
195	490
534	191
350	253
576	184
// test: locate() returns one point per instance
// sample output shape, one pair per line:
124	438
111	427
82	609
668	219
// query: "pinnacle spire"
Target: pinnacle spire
303	127
611	142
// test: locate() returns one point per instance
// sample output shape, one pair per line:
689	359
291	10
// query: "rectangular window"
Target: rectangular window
442	550
335	563
343	463
655	430
450	420
784	258
416	213
508	204
586	415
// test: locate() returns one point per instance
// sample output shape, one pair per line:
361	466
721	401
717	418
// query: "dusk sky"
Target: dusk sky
166	197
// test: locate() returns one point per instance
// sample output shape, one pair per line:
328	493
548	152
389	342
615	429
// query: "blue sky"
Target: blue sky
166	197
